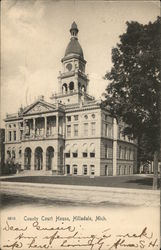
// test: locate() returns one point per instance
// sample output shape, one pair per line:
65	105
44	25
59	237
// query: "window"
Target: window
93	128
119	170
125	154
75	170
68	118
14	135
92	150
119	129
21	132
9	125
93	116
85	150
86	116
68	169
85	154
68	130
110	132
10	136
106	170
75	129
75	117
75	155
92	169
67	155
85	169
120	152
92	155
13	154
85	129
106	151
20	153
106	129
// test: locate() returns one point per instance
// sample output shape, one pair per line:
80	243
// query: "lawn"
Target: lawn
138	182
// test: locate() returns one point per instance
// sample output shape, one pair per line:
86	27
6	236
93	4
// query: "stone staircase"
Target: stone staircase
35	173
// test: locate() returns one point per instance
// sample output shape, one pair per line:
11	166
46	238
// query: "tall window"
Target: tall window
75	170
75	117
85	129
106	170
129	153
75	129
93	128
110	131
119	170
92	169
125	154
68	169
120	152
106	152
21	132
68	118
106	129
10	136
68	130
85	169
14	135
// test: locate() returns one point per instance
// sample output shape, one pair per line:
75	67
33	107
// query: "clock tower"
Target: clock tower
73	82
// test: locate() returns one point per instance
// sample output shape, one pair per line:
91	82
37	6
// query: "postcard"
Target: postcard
69	176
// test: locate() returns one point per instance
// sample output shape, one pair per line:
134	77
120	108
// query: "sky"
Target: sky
35	34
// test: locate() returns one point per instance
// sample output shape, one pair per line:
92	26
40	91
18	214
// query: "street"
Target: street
19	193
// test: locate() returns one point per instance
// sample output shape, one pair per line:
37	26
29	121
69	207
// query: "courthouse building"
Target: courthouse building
73	134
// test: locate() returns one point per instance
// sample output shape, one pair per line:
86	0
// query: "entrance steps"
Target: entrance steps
35	173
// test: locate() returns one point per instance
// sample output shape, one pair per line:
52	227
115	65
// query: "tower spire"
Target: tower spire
74	30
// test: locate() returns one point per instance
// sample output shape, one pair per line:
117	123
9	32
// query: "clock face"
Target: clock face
69	66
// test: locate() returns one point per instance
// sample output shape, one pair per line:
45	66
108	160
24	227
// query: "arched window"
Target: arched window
27	158
20	153
84	150
67	151
71	86
49	157
64	88
38	158
92	150
13	154
75	150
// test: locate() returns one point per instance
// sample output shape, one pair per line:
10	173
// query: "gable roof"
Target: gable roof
39	106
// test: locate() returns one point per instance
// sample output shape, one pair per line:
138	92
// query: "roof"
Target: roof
74	48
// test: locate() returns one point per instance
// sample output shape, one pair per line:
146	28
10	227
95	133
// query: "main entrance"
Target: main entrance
38	158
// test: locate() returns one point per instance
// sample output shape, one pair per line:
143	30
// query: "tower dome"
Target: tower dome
74	46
